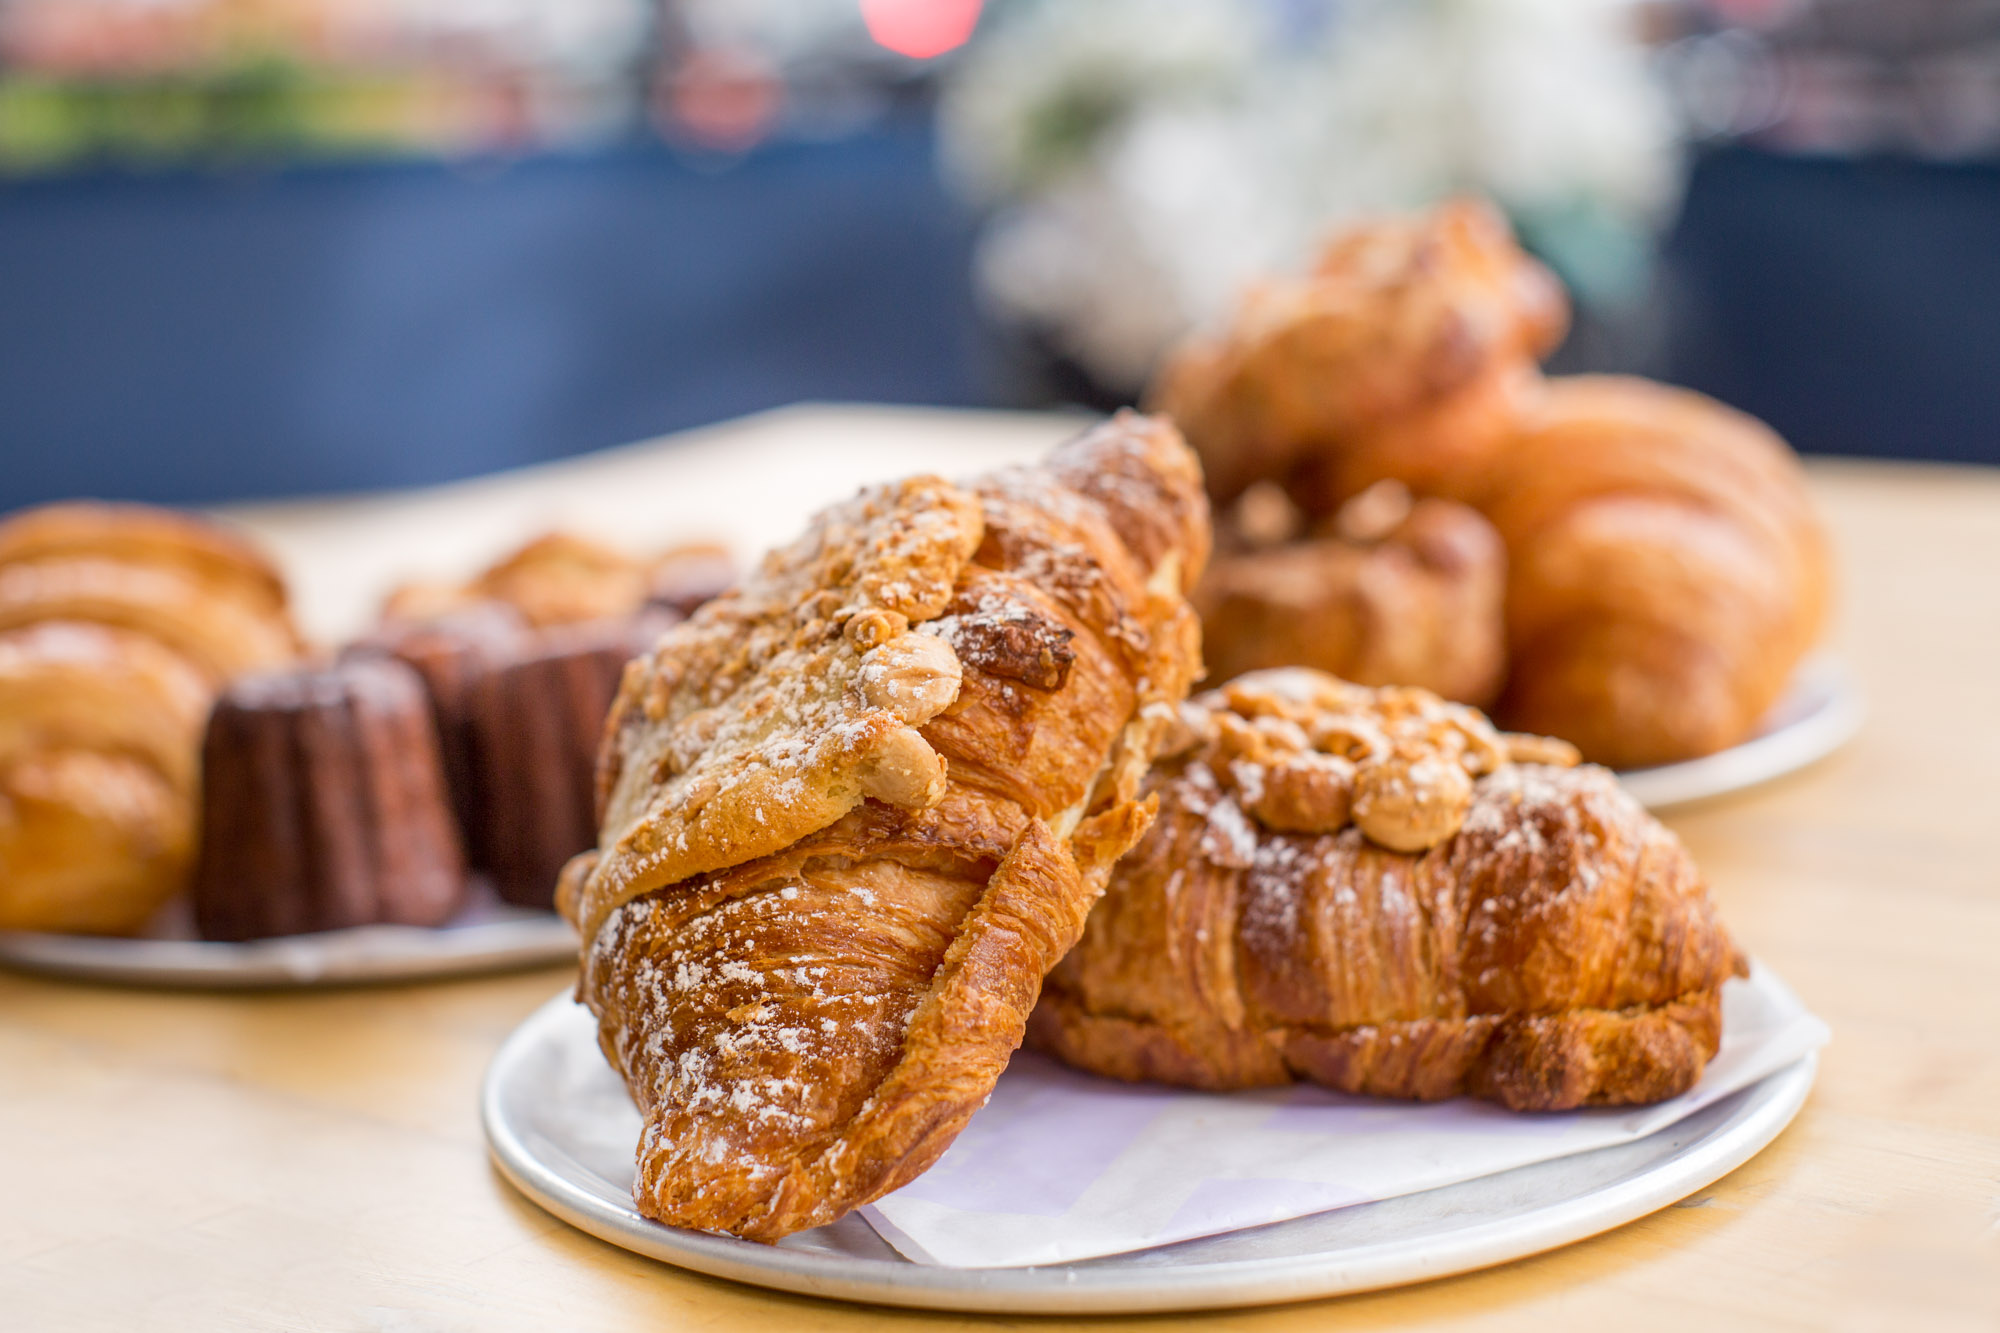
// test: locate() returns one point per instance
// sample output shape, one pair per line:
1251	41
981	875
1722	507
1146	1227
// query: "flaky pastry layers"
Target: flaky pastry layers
1373	890
117	625
855	809
1666	572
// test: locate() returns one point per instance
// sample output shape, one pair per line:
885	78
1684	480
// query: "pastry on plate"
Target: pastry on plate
1391	591
98	736
1375	891
854	809
1402	354
324	805
1666	571
560	578
117	624
532	720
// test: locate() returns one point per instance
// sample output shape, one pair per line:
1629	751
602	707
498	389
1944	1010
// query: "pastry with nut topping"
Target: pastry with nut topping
1376	891
853	810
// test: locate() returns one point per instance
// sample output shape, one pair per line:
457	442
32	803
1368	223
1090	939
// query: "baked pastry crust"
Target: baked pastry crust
807	1020
1374	891
1393	592
117	624
1666	571
1401	354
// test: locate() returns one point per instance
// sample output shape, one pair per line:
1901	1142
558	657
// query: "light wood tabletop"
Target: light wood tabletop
313	1160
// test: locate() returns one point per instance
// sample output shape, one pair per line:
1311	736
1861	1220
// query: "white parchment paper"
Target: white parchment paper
1062	1166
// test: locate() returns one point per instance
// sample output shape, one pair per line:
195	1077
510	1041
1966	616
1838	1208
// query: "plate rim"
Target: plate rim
1765	1109
295	962
1834	719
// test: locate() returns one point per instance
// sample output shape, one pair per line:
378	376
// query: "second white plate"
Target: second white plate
1818	715
488	936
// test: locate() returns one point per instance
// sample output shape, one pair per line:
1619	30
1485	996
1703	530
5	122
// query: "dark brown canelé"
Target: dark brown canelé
452	653
324	805
533	723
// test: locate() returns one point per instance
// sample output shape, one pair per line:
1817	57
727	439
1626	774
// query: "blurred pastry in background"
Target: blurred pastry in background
1403	354
324	805
560	578
1390	590
1666	572
1666	569
117	625
683	577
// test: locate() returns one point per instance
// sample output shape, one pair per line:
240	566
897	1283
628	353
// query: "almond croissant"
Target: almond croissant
1373	890
855	809
1665	570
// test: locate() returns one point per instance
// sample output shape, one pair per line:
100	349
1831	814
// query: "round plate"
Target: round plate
562	1129
1818	715
488	936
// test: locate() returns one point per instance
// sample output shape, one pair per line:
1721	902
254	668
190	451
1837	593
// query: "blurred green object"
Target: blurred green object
267	111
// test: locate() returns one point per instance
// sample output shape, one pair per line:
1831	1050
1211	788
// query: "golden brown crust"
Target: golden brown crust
1665	571
1415	601
1555	948
783	704
1401	320
143	535
117	624
555	579
808	1028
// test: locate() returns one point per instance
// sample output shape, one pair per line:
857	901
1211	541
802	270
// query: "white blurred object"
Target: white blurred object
1147	158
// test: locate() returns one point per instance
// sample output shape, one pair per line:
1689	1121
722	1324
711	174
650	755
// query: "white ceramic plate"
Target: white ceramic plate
562	1129
488	936
1818	715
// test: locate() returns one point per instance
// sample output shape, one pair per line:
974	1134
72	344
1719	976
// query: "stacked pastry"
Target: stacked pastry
1665	571
118	624
854	811
1374	890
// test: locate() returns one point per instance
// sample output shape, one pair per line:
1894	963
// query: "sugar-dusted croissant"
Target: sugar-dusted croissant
117	624
1666	570
1375	891
1394	592
856	808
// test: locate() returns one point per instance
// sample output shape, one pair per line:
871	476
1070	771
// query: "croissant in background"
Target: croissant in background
1373	890
1666	572
854	810
117	625
1388	591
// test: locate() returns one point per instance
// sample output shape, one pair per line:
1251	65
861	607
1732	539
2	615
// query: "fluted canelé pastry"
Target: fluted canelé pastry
324	805
1666	572
1373	890
532	723
1392	592
857	807
117	624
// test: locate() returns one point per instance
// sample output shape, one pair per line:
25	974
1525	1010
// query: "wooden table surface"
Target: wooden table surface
313	1160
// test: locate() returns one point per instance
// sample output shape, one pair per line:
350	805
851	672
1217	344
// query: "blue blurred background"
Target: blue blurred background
263	247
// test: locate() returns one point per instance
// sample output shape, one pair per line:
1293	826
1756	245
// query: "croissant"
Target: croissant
1403	354
1373	890
117	625
1398	592
1666	570
855	809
